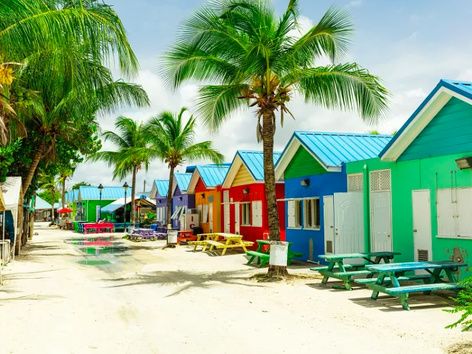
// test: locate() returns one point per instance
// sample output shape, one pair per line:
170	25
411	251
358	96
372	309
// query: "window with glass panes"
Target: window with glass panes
312	213
246	214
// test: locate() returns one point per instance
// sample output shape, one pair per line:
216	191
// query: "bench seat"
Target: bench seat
349	273
422	288
415	277
317	269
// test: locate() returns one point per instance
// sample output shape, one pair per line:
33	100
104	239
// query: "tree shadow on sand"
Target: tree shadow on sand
187	280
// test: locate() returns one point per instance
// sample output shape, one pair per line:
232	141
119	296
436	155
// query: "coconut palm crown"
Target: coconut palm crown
173	141
248	56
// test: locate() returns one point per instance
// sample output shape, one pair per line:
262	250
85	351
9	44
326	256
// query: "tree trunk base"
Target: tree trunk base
277	271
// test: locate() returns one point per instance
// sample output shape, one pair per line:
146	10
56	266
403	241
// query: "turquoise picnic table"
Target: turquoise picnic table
389	277
338	269
262	254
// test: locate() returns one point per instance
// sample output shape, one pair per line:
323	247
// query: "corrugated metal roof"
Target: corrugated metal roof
162	186
463	88
183	180
213	175
108	193
117	204
40	203
334	149
254	161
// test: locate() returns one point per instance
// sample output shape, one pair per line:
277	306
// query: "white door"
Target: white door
236	218
226	211
348	222
380	211
381	221
422	237
328	222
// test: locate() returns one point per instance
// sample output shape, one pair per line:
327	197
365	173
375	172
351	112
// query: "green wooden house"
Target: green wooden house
89	201
418	192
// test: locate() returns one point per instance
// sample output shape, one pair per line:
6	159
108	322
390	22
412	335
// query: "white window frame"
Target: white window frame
315	213
295	221
257	213
246	217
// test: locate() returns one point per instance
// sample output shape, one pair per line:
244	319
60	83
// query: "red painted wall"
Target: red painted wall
256	192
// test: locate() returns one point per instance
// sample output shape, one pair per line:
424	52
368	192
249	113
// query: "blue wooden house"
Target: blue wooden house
159	191
182	202
318	194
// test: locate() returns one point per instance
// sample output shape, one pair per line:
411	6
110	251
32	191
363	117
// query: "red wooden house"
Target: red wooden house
244	206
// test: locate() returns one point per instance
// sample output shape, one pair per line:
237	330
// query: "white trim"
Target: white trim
421	121
193	182
290	152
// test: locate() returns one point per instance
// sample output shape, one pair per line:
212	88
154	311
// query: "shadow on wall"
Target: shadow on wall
186	279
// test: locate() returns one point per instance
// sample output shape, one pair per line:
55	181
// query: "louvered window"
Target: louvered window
380	181
354	182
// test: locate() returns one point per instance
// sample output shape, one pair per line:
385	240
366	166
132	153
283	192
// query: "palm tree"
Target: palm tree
131	155
172	141
48	183
247	56
32	30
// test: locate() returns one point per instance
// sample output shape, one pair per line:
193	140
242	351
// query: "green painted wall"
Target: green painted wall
91	208
303	164
431	173
450	132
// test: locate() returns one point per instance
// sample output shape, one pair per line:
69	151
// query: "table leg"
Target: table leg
380	280
227	243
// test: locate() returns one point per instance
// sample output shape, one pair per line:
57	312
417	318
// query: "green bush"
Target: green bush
463	306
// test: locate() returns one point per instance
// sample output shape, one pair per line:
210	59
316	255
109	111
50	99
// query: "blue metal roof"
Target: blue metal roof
183	180
334	149
254	161
40	203
162	186
213	175
108	193
463	88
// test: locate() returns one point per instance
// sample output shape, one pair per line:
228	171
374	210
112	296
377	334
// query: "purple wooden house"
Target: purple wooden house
181	201
159	193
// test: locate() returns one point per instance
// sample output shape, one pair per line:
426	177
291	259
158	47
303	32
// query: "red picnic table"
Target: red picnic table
98	227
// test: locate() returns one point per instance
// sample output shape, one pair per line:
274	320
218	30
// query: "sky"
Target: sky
410	45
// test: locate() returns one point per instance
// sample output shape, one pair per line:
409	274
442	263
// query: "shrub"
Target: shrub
463	306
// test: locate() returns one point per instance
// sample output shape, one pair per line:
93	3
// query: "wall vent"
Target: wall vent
423	255
329	246
380	181
355	182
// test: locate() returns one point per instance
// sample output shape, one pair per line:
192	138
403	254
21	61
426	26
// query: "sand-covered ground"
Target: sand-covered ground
146	299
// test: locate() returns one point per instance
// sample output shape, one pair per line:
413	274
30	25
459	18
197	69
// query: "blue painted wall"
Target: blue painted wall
320	185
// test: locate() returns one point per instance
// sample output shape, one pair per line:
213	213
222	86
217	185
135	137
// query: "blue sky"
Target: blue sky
409	44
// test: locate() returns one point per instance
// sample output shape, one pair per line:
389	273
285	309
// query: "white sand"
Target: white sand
150	300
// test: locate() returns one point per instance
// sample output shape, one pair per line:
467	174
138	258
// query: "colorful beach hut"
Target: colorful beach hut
183	203
244	205
418	194
317	195
206	184
159	191
90	200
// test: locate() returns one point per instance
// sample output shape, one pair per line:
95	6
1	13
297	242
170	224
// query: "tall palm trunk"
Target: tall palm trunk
63	195
268	132
24	188
169	195
133	195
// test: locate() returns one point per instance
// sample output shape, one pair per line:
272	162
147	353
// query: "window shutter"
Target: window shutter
291	213
205	213
257	213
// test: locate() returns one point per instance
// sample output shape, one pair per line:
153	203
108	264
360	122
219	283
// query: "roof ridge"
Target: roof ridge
314	132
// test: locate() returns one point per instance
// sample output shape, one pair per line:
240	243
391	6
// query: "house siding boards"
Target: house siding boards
208	198
181	199
454	121
298	166
243	177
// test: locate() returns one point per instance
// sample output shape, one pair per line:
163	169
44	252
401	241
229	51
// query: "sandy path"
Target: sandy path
149	300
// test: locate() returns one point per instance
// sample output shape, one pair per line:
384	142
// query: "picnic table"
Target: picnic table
337	268
98	227
220	240
185	236
262	254
390	275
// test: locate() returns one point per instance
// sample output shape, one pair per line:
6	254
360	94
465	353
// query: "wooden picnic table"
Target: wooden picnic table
390	275
262	254
337	268
98	227
220	240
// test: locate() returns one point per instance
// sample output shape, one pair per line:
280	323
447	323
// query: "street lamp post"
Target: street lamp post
125	186
100	189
